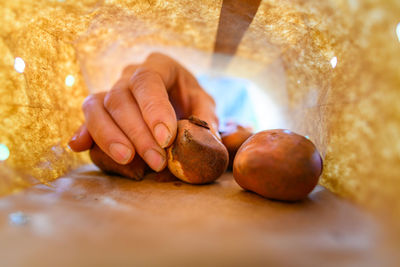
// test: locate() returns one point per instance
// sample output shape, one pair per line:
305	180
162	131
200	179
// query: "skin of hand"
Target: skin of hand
139	114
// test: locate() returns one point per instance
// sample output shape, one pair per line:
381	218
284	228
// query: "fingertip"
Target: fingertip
73	146
163	134
81	140
156	160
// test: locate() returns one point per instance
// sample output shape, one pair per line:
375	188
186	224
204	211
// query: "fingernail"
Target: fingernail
120	153
155	160
162	134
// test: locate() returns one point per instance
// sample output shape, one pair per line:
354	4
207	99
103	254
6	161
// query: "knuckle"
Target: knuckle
155	56
142	74
89	102
135	133
128	70
154	107
111	100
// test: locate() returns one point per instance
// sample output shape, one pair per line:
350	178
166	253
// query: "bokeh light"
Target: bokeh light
19	65
333	62
4	152
69	80
18	218
398	31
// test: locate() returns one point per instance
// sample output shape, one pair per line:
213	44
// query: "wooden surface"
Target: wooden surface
90	219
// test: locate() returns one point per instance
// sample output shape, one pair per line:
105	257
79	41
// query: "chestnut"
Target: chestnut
163	176
135	170
197	156
232	138
278	164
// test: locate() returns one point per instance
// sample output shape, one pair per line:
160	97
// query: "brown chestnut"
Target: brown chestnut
232	138
278	164
163	176
135	170
197	156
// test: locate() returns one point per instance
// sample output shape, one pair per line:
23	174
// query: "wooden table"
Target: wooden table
90	219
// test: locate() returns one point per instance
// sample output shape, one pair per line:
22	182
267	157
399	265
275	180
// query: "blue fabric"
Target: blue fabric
232	98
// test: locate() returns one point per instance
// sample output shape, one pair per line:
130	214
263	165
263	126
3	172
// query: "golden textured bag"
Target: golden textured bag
331	66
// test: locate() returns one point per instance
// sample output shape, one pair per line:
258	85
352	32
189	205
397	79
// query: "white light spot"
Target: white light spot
109	201
334	62
398	31
287	131
4	152
18	218
307	137
19	65
69	80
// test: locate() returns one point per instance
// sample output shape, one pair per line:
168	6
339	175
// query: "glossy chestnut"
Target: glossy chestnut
278	164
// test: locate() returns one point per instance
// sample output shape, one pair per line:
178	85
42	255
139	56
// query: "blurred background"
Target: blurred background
325	69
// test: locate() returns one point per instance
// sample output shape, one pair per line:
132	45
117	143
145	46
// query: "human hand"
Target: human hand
139	114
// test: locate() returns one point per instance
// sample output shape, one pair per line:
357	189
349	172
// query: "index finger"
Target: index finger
150	85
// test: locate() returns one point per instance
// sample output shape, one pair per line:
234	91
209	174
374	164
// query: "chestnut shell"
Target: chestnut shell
197	156
233	139
135	170
278	164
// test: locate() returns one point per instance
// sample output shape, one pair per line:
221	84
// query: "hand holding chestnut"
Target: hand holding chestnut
276	164
197	156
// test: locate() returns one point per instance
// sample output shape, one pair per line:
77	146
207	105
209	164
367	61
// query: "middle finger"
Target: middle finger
124	110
